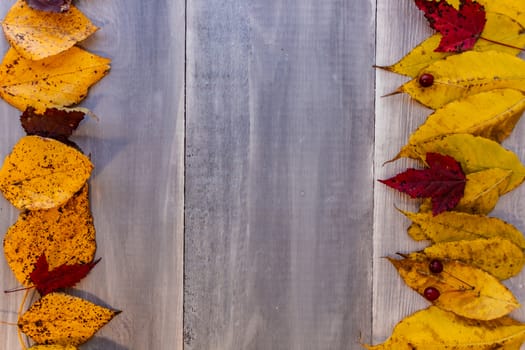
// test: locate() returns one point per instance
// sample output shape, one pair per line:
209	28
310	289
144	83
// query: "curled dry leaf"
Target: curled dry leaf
499	27
454	226
42	173
36	35
54	123
58	81
474	153
463	289
63	320
491	114
66	235
497	256
467	74
445	330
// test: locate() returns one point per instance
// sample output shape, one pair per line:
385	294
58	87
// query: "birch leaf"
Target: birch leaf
474	153
465	74
63	320
58	81
454	226
483	190
66	235
463	289
491	114
499	27
37	34
42	173
497	256
447	331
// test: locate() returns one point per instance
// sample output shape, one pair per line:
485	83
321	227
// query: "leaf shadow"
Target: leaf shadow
101	343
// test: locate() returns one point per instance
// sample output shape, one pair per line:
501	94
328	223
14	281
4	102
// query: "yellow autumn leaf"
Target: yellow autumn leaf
511	8
463	289
465	74
497	256
454	226
63	319
436	329
66	235
482	190
58	81
52	347
473	152
39	34
491	114
42	173
498	27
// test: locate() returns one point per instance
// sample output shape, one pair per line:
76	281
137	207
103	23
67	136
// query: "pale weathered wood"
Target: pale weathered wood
400	27
137	187
278	238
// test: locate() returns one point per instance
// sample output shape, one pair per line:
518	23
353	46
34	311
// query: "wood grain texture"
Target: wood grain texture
137	187
278	237
400	27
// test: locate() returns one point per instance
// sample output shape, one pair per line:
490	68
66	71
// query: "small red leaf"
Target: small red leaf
460	28
64	276
54	123
444	181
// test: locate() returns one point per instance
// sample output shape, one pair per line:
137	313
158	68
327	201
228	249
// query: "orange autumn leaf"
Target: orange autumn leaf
38	34
66	235
63	319
59	81
42	173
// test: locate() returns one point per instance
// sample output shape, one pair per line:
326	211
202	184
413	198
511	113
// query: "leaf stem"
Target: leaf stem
500	43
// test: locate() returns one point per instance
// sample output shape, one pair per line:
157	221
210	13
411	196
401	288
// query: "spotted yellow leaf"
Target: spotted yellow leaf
437	329
454	226
52	347
66	235
39	34
498	27
491	114
465	74
497	256
42	173
63	320
463	289
57	81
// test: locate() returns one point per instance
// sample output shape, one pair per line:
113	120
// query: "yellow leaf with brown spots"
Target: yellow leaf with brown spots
58	81
437	329
63	320
66	235
42	173
39	34
460	288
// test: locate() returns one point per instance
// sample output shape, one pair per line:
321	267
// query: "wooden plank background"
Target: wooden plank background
236	156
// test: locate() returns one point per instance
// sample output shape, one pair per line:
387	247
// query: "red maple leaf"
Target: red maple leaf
64	276
460	28
443	181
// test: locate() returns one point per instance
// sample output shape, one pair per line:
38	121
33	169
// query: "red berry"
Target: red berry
426	80
431	293
435	266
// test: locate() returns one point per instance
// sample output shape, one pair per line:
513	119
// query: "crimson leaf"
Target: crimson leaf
443	181
460	28
50	5
63	276
55	123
